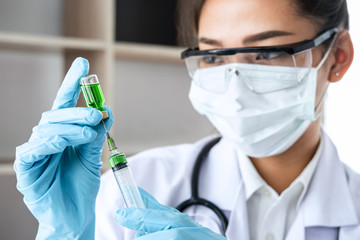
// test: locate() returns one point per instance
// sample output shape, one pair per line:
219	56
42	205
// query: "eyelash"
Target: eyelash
207	60
268	55
265	56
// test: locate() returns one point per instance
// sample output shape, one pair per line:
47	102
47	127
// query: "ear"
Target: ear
344	54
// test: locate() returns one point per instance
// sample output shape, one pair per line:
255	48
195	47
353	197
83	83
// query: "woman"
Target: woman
275	174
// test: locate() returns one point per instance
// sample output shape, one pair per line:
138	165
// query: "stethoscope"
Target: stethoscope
195	199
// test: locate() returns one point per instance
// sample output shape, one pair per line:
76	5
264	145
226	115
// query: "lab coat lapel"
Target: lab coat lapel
238	227
297	231
220	176
221	172
327	192
231	188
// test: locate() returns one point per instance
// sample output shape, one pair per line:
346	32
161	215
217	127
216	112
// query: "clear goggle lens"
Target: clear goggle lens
262	72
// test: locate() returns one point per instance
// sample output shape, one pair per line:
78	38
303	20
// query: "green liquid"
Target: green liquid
93	95
117	159
111	144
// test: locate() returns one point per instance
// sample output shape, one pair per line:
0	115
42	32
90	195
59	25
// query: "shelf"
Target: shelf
153	52
51	42
121	50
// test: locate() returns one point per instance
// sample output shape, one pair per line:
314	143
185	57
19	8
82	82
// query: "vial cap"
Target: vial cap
91	79
105	115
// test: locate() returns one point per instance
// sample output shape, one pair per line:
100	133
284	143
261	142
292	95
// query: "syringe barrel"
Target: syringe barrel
128	187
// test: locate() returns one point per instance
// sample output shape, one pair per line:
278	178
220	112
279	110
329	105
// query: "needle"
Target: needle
104	125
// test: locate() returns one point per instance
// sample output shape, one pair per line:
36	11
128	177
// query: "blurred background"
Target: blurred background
132	47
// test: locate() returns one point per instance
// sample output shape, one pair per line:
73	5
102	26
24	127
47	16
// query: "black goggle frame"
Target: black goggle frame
291	49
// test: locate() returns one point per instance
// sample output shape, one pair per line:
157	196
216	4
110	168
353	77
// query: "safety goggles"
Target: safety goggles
296	56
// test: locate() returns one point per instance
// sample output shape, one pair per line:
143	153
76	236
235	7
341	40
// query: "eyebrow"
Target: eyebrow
209	41
251	39
265	35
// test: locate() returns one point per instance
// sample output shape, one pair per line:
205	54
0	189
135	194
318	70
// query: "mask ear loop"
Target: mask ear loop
323	60
318	108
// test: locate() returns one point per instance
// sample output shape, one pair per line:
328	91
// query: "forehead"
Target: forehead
232	21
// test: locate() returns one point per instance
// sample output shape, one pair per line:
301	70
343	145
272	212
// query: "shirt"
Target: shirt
271	215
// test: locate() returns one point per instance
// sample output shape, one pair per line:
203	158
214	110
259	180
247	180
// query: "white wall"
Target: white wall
342	118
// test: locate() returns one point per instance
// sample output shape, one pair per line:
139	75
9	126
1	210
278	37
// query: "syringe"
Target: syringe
94	98
123	176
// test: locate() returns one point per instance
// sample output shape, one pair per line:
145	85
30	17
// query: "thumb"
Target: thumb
69	91
152	203
152	220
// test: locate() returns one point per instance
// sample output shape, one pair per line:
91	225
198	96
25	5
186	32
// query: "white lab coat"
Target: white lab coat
330	210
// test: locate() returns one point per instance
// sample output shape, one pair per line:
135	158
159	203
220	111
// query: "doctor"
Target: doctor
274	174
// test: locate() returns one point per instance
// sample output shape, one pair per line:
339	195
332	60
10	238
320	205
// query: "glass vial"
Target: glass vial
94	97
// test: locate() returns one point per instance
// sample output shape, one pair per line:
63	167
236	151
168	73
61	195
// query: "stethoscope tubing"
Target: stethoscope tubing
195	199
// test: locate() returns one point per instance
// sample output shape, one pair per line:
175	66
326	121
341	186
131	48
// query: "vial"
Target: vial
93	95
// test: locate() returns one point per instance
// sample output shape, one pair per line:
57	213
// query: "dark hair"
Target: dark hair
325	14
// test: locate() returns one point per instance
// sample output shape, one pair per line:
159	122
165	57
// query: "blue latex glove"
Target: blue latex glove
58	170
162	223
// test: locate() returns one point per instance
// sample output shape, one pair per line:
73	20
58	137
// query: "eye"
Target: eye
269	55
212	60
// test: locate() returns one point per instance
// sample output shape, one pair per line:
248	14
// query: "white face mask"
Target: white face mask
261	125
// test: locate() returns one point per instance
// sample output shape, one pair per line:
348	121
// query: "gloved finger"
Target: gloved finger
69	91
188	233
98	142
73	134
90	154
152	203
158	235
30	152
34	182
153	220
76	115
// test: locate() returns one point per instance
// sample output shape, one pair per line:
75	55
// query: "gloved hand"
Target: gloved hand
162	223
58	169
